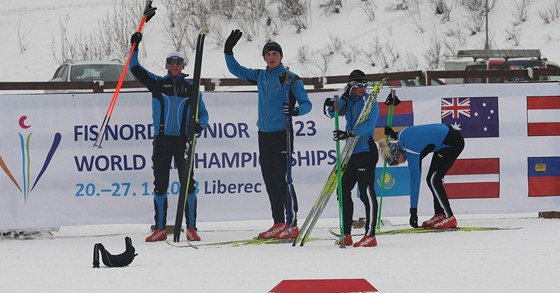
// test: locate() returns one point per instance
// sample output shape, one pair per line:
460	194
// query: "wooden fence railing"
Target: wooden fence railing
423	78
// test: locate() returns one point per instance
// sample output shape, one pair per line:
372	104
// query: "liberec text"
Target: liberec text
218	187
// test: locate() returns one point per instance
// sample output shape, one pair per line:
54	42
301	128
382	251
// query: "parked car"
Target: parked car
91	71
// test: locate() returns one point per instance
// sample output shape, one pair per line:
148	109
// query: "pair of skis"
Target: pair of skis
188	155
332	181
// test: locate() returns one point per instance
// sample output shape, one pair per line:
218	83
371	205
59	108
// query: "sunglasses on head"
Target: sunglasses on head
175	61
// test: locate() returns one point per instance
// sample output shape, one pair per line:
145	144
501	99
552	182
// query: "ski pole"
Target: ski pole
389	123
109	112
339	175
290	213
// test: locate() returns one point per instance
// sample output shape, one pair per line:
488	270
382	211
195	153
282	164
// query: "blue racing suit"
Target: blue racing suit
272	125
170	112
418	141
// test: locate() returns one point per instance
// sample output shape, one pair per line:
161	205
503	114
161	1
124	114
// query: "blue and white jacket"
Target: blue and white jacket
170	99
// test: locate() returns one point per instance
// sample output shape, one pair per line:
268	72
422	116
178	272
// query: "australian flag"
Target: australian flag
473	117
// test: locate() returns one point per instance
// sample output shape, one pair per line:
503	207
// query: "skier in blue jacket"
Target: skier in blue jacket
412	145
170	111
272	126
361	166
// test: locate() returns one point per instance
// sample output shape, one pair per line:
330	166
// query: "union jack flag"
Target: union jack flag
455	107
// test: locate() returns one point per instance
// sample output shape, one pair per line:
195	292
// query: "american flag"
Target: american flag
455	107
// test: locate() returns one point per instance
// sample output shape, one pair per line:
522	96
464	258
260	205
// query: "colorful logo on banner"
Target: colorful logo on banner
397	181
473	117
543	116
473	178
544	176
403	116
26	187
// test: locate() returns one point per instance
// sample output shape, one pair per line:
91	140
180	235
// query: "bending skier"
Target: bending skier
170	109
272	128
412	145
361	166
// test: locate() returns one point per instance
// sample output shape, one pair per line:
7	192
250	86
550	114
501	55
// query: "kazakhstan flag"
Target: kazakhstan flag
397	181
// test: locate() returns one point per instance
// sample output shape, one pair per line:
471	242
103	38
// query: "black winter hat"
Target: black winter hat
272	46
358	76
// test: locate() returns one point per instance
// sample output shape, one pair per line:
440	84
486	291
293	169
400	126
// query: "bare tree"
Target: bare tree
513	34
352	54
334	44
22	35
413	12
110	41
250	14
433	55
521	11
551	12
303	54
295	13
330	6
443	8
369	7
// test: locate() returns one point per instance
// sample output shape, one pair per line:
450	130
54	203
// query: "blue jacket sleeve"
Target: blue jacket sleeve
240	71
142	75
415	170
304	105
203	116
341	103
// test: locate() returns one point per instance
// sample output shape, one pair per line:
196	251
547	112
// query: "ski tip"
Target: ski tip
204	31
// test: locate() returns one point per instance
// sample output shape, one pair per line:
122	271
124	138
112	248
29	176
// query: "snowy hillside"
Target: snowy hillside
396	39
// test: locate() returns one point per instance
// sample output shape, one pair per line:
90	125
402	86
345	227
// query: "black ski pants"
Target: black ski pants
441	163
272	149
361	170
165	149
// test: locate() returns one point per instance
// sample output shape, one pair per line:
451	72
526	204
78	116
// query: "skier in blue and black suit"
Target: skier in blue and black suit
170	112
361	166
412	145
272	126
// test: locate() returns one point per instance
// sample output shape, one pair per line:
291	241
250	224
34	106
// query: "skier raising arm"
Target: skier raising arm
272	127
412	145
361	166
170	109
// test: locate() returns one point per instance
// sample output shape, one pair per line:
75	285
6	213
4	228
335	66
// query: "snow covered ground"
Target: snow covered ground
522	260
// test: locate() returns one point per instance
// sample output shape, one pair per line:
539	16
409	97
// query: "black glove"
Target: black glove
149	11
135	39
290	111
413	218
198	128
329	102
342	135
390	101
232	41
390	132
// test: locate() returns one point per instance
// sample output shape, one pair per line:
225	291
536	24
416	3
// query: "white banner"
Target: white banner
51	175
